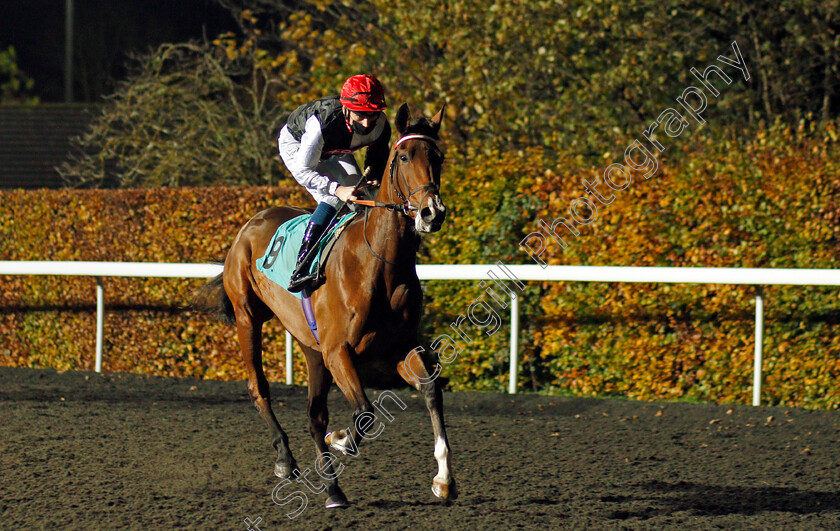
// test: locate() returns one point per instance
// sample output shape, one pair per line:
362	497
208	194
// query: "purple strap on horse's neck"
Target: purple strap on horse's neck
310	315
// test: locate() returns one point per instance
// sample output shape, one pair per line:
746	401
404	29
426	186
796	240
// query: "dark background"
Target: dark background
106	32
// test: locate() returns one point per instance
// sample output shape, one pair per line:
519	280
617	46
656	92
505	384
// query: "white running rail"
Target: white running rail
689	275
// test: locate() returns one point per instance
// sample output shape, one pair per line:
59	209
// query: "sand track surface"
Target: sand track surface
98	451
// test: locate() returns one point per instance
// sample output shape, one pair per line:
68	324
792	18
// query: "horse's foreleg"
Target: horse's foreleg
249	330
414	371
319	417
341	365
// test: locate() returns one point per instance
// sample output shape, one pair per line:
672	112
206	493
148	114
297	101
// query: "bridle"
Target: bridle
430	188
405	207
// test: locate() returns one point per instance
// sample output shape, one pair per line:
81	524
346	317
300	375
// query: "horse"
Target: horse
368	309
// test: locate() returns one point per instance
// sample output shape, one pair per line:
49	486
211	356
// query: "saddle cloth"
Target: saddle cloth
280	257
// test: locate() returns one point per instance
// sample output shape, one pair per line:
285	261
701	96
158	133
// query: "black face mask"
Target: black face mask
359	129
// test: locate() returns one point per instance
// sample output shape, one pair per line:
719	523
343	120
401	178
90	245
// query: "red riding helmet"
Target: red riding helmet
363	93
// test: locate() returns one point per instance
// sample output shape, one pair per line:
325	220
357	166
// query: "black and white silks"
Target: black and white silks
317	147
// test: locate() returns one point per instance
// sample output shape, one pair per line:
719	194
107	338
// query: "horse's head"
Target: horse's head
414	174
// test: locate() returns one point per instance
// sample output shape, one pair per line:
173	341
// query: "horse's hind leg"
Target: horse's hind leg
319	387
414	371
250	316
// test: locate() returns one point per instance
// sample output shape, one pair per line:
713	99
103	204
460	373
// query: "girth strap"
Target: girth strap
306	302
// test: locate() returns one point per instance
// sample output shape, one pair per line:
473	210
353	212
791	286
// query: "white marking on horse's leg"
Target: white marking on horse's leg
340	441
442	456
440	485
337	440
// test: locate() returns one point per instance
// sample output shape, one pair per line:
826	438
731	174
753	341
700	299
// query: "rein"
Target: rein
396	207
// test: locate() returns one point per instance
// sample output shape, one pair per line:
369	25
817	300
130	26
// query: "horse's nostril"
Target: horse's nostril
426	214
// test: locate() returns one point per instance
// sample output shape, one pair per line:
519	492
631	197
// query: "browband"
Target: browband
414	137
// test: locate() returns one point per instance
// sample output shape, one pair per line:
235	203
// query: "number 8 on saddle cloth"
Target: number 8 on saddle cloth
280	258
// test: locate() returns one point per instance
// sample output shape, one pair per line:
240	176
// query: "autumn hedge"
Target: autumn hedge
149	328
767	199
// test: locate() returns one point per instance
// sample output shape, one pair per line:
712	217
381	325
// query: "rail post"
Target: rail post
759	342
100	322
514	342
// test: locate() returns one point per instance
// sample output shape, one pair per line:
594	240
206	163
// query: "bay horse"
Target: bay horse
368	310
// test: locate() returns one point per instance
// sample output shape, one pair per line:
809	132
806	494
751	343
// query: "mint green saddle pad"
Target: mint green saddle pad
280	258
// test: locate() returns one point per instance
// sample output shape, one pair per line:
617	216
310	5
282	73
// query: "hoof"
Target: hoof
283	470
443	491
337	501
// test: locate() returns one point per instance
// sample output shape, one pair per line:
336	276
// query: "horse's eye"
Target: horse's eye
403	158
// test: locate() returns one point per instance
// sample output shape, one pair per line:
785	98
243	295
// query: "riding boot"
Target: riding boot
301	277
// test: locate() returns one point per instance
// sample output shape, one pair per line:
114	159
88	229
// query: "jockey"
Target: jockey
317	145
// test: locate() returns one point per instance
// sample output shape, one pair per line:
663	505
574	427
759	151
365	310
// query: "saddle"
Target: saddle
280	257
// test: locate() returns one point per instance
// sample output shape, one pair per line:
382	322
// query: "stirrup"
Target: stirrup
299	281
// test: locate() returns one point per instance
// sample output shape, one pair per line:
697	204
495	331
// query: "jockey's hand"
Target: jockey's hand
345	193
370	182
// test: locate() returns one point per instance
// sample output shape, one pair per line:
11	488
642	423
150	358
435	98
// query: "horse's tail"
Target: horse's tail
212	298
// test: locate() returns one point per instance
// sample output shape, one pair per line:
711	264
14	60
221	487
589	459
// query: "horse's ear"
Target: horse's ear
438	118
403	117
